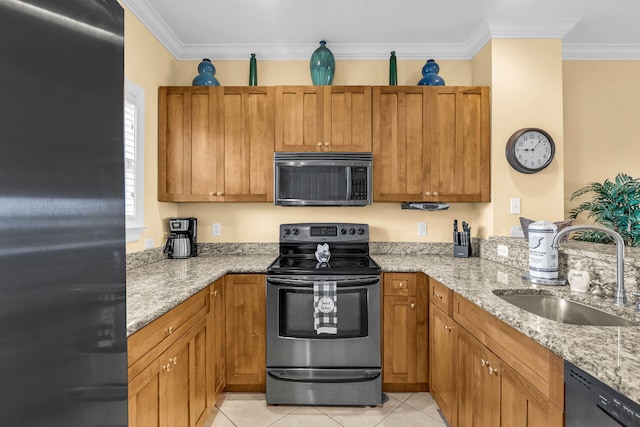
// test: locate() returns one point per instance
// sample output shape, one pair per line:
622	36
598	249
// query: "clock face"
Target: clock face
530	150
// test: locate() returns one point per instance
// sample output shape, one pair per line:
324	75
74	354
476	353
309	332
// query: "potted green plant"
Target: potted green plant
615	205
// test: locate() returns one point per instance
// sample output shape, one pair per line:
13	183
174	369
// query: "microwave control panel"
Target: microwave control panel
359	183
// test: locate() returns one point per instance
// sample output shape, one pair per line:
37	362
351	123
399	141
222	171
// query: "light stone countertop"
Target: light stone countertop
611	354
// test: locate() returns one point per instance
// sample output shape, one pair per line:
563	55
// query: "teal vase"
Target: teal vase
322	65
206	76
253	71
430	75
393	70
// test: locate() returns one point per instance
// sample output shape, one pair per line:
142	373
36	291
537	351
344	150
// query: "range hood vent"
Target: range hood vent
421	206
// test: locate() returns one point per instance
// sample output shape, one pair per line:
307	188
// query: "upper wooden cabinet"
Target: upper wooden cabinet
323	118
215	144
431	143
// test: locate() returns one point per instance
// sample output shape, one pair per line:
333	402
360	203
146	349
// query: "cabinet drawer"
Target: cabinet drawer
400	284
150	341
441	296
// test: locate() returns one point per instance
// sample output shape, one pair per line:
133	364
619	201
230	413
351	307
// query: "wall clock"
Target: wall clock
530	150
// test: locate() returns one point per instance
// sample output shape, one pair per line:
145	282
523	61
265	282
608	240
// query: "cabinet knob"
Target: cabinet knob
319	144
401	285
220	193
326	144
483	362
439	296
435	193
412	305
447	328
174	360
215	293
428	193
493	371
211	193
169	330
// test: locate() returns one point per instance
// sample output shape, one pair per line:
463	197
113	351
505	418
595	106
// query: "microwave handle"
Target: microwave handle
349	184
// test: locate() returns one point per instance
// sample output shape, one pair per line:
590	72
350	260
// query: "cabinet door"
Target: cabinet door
145	406
245	297
248	145
458	122
405	335
442	361
523	406
299	118
189	150
400	143
347	118
478	384
217	335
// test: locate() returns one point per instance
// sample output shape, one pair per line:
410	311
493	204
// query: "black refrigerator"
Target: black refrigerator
63	353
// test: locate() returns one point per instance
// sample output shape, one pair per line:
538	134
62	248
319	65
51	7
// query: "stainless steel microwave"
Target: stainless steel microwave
322	179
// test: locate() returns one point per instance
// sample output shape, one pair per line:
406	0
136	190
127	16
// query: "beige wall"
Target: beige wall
601	123
148	64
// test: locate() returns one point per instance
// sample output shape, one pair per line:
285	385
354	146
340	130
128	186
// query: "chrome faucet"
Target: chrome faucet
620	297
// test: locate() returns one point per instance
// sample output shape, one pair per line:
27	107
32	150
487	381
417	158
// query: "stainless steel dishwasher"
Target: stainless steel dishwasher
591	403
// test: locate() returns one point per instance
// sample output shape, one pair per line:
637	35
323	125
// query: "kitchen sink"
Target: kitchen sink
561	310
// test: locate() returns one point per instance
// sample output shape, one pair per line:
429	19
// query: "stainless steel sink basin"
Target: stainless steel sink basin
562	310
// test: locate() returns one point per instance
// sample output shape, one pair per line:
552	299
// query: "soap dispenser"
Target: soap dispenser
579	278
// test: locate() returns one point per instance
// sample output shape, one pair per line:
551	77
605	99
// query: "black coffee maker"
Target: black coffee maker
182	242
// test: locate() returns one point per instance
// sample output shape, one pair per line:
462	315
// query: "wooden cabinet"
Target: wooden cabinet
323	118
458	122
405	332
442	350
216	337
245	306
400	143
431	144
215	144
168	384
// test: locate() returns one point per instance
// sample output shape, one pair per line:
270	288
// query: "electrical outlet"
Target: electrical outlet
503	250
148	244
422	229
515	206
216	229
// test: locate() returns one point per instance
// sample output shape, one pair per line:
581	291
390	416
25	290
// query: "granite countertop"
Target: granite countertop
608	353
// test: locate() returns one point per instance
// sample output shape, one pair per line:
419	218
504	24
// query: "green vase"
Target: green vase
323	66
253	71
393	70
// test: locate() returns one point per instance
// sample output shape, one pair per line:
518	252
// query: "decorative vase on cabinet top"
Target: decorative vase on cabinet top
207	74
322	65
393	69
430	75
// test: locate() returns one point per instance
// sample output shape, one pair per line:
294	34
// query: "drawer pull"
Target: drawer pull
484	362
401	285
169	330
439	296
447	328
413	305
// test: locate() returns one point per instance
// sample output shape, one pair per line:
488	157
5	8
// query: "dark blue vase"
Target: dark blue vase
430	75
323	66
206	77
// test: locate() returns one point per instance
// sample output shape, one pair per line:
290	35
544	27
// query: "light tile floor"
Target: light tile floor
251	410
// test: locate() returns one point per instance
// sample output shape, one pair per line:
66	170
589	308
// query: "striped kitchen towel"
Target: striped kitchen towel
325	307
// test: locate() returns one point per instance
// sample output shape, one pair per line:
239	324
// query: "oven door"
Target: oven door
291	338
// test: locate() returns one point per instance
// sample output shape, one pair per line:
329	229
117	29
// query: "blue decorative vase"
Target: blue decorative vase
206	77
322	65
430	75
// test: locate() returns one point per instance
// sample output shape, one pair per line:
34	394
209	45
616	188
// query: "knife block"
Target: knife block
460	251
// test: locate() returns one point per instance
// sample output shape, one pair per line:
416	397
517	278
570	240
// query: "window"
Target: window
134	159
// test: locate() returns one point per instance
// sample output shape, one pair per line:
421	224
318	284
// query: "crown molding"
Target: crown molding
601	52
490	29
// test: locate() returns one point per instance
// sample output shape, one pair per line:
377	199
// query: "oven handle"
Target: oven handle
360	281
337	378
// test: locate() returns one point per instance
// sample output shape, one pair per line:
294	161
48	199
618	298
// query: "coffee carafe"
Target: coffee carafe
182	241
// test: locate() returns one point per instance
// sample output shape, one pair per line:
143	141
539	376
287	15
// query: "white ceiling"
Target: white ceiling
370	29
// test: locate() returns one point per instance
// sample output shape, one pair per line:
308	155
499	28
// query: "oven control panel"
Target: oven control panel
324	232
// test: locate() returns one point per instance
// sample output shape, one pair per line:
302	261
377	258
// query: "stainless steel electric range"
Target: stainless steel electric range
323	317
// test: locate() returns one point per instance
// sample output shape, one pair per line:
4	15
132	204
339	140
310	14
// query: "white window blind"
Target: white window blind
134	159
130	159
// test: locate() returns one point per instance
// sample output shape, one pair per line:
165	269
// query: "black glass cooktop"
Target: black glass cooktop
309	265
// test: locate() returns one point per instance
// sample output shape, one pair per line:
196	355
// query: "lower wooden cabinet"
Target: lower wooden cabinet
246	333
172	390
442	361
405	332
217	343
